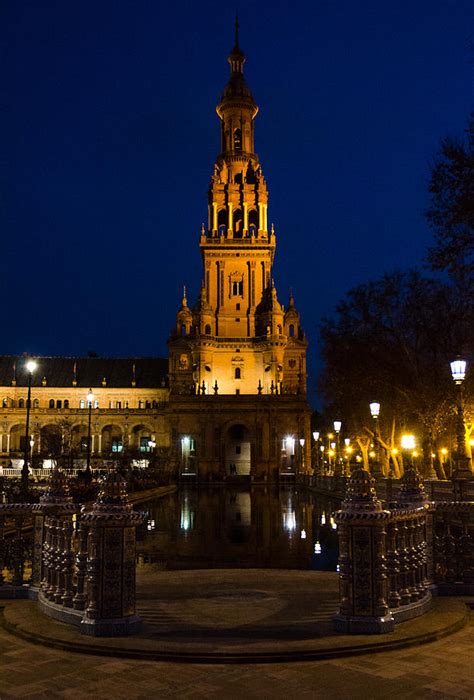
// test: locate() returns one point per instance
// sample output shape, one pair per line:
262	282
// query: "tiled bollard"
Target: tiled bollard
110	571
362	560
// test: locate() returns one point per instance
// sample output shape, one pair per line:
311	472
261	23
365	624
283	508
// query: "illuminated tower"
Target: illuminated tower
238	338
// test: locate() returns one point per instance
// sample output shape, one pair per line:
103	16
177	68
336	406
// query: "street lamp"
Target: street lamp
90	400
408	444
315	451
337	462
31	365
375	412
302	442
463	462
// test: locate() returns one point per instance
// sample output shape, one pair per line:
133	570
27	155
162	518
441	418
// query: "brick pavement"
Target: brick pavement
442	669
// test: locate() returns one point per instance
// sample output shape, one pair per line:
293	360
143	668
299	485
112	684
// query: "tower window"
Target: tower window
292	331
237	373
238	288
183	329
222	222
237	140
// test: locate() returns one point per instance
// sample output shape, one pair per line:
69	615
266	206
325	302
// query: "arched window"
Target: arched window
238	223
140	404
183	329
238	288
253	222
237	373
222	222
147	404
154	404
59	403
81	403
21	403
51	403
66	403
4	403
292	331
237	140
207	329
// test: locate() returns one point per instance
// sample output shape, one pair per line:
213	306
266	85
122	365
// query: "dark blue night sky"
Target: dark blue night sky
109	135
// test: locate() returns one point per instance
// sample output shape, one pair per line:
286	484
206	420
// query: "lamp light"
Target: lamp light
31	365
375	409
408	442
458	370
337	425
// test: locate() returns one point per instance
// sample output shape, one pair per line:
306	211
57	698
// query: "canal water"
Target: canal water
262	527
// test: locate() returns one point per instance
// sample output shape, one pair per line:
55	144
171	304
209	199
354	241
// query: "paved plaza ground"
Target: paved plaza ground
266	614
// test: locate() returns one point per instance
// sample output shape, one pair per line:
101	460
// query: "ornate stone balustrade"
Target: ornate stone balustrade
384	556
453	547
81	565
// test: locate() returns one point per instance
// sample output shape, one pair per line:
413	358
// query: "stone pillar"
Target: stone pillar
413	501
111	526
363	571
52	519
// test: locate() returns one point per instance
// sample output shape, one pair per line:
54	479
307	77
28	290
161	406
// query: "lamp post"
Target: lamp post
348	451
316	451
463	462
30	366
337	462
90	399
375	412
408	444
302	442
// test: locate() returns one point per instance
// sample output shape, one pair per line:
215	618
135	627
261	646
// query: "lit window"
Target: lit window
82	403
117	446
144	446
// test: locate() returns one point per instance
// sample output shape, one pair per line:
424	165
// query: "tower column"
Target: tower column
260	218
246	218
230	226
214	218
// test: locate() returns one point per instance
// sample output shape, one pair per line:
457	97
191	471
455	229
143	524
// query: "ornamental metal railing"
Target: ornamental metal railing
80	565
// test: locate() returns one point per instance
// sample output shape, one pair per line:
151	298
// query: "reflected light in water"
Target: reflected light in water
289	520
303	534
317	548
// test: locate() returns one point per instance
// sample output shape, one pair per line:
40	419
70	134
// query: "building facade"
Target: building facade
232	400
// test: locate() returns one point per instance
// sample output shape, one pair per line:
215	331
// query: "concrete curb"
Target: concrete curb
229	657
